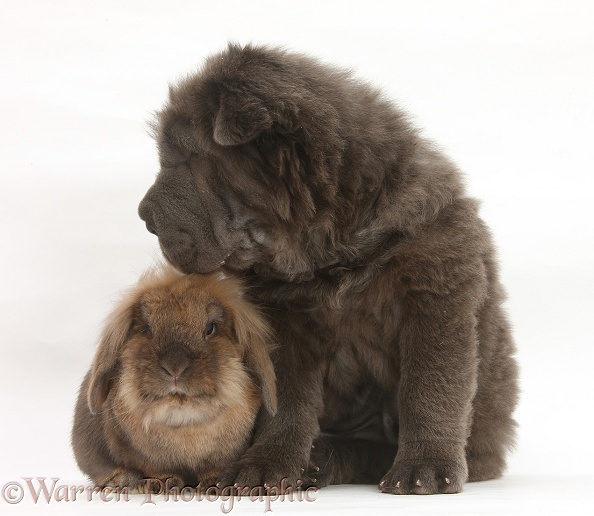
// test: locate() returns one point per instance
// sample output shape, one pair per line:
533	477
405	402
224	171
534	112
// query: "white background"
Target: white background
505	87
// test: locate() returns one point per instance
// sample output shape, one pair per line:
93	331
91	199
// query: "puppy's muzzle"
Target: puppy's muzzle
146	214
151	229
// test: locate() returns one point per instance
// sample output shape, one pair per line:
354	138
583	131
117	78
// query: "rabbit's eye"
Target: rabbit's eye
140	327
145	331
211	329
141	320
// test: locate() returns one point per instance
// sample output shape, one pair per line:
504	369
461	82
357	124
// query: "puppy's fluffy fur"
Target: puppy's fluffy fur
378	274
176	384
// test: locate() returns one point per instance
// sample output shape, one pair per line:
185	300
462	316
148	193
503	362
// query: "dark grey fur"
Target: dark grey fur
374	267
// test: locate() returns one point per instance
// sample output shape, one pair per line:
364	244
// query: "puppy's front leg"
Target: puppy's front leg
438	363
282	443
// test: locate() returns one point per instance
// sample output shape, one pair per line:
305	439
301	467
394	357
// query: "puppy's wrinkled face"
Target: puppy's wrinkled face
201	221
181	364
239	206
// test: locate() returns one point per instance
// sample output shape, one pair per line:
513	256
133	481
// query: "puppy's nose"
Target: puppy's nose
145	212
151	228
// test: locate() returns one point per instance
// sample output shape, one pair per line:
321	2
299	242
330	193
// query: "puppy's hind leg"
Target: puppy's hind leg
347	460
493	428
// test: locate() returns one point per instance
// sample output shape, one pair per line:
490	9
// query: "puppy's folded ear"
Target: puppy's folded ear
104	366
240	118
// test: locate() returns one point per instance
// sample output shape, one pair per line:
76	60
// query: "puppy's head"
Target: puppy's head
249	150
180	349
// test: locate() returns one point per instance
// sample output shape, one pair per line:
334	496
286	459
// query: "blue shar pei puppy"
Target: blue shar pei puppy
357	239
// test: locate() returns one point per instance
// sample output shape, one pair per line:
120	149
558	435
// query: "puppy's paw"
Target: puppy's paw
424	476
346	460
320	469
266	466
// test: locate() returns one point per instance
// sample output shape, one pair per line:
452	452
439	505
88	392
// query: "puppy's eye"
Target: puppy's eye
211	329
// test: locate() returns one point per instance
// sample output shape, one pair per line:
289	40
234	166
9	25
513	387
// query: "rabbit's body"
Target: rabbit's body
177	382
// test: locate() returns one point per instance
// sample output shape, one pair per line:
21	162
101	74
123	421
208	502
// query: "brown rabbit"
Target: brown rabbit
181	371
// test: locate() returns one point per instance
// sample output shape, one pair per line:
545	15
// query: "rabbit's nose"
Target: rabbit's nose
174	362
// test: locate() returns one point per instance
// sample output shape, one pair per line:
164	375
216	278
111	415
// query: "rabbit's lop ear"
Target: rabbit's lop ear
258	360
103	370
253	333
